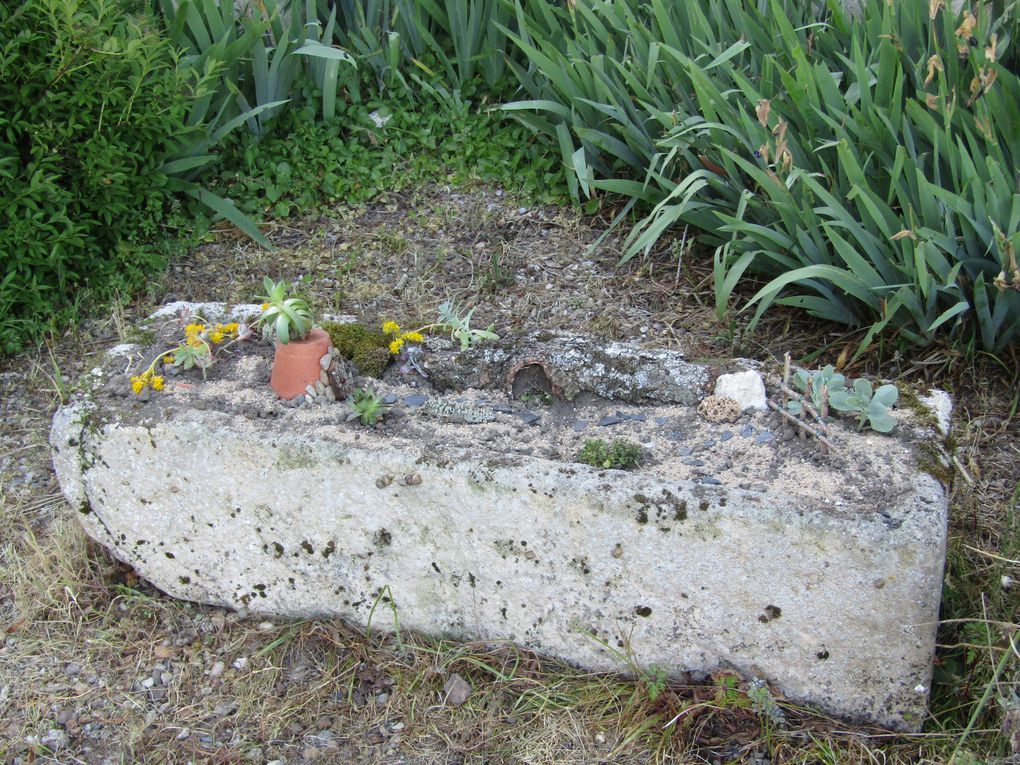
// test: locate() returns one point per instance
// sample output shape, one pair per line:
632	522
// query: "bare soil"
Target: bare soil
98	667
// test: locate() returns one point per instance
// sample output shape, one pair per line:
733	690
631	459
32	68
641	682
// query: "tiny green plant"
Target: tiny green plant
827	388
289	318
765	704
369	406
620	455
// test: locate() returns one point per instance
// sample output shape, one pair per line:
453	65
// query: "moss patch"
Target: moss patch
368	350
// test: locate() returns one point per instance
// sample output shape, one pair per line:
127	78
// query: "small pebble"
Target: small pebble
685	451
726	435
528	418
415	400
764	438
661	420
580	425
610	419
709	480
390	398
694	463
747	431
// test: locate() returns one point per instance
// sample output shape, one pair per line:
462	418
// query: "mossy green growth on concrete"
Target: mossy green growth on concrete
621	455
368	350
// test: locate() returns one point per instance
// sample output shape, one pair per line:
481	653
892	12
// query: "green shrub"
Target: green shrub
91	104
303	165
814	151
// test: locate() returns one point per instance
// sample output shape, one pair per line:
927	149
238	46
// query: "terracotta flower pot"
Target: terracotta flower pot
296	365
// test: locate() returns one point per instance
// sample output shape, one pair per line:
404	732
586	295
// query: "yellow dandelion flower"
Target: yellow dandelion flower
414	337
391	328
264	306
216	337
194	329
396	345
157	383
168	359
137	384
230	329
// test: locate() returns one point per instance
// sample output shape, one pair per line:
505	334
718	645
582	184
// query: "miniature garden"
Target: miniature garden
463	382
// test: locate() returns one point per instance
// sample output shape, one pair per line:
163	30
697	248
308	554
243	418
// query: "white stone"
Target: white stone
941	405
746	388
836	606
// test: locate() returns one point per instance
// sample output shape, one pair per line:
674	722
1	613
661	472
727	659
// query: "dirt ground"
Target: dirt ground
96	666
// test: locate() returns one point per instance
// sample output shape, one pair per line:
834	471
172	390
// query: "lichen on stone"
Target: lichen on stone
454	412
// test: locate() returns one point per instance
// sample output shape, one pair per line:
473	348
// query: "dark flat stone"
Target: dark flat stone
661	420
708	444
685	451
694	462
610	419
764	438
726	435
528	417
709	480
390	398
416	399
580	425
635	417
747	431
502	409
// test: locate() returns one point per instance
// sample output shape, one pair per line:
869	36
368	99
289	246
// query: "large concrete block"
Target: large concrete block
825	583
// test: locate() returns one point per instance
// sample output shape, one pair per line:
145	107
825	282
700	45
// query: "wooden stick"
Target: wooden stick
801	424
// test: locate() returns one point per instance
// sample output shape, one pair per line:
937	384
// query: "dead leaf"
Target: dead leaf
934	65
763	109
456	691
903	234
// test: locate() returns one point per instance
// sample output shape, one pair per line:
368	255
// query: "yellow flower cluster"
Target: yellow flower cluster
216	334
146	379
392	329
193	335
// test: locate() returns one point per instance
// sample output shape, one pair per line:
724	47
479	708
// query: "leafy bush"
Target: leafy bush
867	166
91	104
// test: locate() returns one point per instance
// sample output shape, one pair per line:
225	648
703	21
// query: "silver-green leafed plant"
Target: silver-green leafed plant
871	407
460	326
289	318
816	387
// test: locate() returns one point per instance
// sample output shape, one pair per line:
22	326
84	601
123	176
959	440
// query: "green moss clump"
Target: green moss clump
368	350
621	455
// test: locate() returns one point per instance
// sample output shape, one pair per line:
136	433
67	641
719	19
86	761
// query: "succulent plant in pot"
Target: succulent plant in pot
300	345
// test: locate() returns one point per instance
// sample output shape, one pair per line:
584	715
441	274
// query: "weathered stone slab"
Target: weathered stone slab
826	585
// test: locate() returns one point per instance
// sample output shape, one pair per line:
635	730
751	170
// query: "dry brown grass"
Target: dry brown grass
81	633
